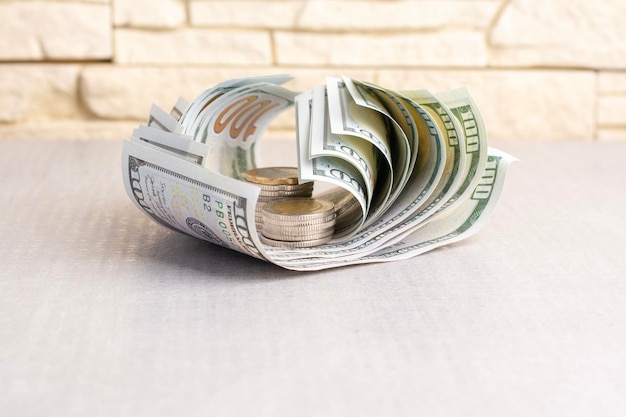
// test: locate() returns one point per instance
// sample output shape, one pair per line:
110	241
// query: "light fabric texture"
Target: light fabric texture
105	313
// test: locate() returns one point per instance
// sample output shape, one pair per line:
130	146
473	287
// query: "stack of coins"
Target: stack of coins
298	222
276	183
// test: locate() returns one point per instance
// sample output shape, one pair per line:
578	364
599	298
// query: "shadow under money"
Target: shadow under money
142	240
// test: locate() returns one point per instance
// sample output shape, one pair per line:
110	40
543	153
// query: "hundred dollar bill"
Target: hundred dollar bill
404	217
179	108
241	115
461	104
348	117
465	220
426	176
343	117
190	117
191	199
460	222
429	170
454	191
408	215
162	120
374	98
360	153
411	170
181	146
401	115
454	146
231	124
334	171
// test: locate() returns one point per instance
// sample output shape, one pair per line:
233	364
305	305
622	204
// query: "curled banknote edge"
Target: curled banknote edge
408	171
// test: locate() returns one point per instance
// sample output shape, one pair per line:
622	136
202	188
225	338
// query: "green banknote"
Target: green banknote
408	171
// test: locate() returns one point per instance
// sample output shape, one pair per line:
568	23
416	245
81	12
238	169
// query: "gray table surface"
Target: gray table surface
105	313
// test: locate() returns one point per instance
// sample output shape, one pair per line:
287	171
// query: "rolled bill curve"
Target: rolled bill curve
411	171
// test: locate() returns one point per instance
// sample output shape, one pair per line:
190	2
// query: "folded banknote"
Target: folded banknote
404	172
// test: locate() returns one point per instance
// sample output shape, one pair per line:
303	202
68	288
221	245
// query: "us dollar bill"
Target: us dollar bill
162	120
408	171
409	215
179	108
232	121
190	117
378	100
188	198
461	104
181	146
465	220
414	202
454	147
360	153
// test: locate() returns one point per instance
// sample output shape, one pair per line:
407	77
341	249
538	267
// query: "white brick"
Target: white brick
345	15
38	92
150	13
127	92
456	48
255	14
612	83
193	46
580	33
612	111
54	30
60	1
530	105
69	129
113	92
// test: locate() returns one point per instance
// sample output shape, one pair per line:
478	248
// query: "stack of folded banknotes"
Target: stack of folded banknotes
403	172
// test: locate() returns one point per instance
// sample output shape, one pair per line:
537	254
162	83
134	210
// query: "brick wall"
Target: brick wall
539	70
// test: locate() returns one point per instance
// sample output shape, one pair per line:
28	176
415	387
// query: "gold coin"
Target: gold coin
268	199
305	186
275	198
299	244
299	208
273	176
297	222
278	194
300	238
303	226
301	232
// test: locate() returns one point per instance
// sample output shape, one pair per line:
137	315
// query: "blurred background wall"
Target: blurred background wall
539	70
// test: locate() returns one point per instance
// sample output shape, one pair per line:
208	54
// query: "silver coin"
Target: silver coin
299	233
298	208
298	238
283	187
279	194
300	222
273	175
298	244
